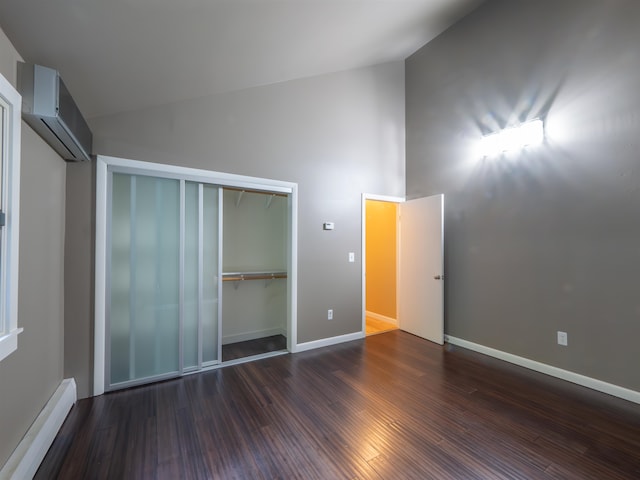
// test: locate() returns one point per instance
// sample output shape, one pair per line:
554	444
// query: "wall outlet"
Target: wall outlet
562	338
330	314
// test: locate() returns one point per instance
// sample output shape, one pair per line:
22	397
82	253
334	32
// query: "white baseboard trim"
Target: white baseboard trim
592	383
26	458
377	316
243	337
326	342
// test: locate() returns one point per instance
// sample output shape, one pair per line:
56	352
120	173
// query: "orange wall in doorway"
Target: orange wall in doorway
381	249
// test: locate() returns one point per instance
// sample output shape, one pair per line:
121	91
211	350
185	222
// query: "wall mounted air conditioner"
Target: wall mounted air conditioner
49	109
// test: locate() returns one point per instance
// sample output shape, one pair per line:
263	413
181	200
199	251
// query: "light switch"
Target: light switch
327	226
352	257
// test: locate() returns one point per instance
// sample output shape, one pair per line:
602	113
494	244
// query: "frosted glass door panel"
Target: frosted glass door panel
191	242
210	278
120	308
144	303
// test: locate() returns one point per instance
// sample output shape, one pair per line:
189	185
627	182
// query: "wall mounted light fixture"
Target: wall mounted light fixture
513	138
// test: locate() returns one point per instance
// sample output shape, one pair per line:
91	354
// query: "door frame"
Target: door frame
104	166
379	198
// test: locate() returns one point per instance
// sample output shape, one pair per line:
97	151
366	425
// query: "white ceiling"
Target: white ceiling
122	55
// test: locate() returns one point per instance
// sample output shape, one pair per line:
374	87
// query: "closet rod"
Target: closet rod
238	276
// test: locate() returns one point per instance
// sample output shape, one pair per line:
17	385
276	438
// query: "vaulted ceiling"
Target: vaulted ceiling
122	55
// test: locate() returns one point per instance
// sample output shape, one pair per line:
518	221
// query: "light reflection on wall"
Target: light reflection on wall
511	139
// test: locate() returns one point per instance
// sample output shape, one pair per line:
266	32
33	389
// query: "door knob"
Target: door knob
438	277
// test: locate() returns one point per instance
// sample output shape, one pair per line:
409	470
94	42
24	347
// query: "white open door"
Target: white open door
421	268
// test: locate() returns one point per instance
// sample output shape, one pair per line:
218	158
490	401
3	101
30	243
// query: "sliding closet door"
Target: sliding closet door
210	275
201	276
163	308
191	311
143	305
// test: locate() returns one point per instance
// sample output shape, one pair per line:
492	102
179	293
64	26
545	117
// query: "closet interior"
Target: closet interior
254	273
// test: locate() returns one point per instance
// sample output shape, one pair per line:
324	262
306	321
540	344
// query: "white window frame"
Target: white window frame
9	240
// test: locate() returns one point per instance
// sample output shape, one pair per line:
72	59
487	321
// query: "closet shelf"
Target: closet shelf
238	276
269	195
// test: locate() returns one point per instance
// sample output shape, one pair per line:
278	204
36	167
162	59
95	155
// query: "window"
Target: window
10	106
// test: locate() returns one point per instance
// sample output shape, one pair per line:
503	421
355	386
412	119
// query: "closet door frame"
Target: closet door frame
105	167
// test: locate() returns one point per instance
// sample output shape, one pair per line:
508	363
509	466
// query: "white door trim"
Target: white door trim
380	198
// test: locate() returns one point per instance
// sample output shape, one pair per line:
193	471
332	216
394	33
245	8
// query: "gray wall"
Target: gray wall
78	275
549	239
335	135
31	374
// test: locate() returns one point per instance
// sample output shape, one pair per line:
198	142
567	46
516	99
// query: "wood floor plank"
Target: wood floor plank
389	406
273	343
373	326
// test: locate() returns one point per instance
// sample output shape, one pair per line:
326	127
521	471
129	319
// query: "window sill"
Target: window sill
9	343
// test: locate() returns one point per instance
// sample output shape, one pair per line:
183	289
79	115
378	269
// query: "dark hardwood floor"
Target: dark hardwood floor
233	351
392	406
